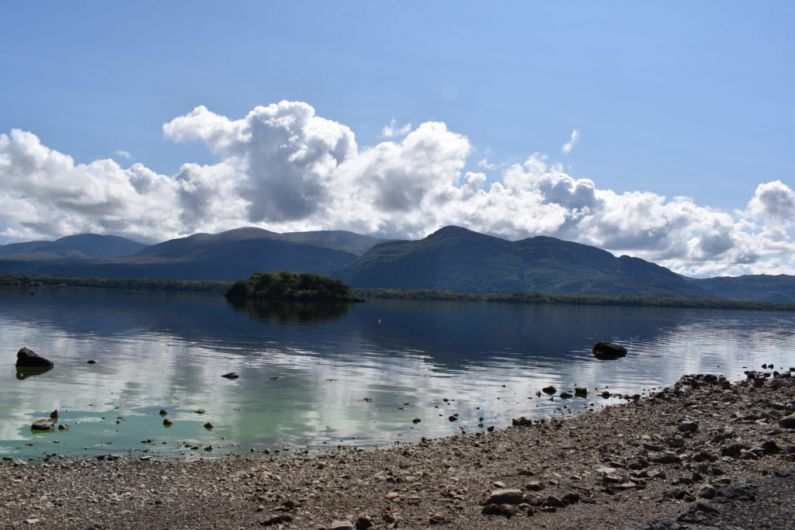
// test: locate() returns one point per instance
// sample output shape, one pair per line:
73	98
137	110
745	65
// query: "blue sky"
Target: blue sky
690	98
671	99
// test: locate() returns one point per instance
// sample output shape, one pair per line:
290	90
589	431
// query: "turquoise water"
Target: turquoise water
315	378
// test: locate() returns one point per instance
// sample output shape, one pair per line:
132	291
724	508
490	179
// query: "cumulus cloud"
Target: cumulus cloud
574	138
285	168
393	130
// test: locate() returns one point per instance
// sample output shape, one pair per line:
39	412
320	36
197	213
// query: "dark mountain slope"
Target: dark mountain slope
760	287
457	259
335	239
81	246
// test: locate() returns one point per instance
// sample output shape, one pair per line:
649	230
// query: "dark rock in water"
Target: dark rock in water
521	421
24	373
167	423
549	390
608	350
566	395
43	425
163	412
27	358
91	361
580	392
208	425
231	375
54	415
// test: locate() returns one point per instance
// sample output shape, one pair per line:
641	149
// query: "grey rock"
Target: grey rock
787	422
505	496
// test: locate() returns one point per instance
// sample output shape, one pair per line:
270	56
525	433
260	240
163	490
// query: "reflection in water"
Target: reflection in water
291	311
320	376
24	373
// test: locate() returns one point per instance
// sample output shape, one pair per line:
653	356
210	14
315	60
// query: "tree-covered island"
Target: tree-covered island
291	286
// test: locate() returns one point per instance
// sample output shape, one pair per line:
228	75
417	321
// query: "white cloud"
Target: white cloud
126	155
574	139
285	168
394	131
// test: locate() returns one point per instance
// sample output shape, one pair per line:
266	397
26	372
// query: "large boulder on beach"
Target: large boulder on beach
608	350
27	358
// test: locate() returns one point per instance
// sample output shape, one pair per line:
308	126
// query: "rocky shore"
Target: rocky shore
704	453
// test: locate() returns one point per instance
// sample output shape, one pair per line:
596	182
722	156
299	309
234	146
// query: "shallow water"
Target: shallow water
318	377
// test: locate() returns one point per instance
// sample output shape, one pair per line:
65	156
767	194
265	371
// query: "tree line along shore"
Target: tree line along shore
33	282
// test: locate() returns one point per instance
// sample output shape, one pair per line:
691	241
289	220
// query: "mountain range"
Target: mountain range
452	258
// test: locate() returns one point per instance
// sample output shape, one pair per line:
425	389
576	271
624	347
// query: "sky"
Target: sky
663	130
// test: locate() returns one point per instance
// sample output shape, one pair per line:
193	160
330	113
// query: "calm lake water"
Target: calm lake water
317	378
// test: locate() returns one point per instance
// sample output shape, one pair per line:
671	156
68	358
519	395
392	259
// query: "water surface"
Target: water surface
319	377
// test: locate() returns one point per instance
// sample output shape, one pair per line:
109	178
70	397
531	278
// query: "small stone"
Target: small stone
505	496
581	392
688	426
231	375
278	519
364	522
707	492
665	458
416	420
787	422
506	510
392	495
54	415
163	412
167	422
566	395
437	519
534	486
341	525
549	390
199	411
91	361
208	425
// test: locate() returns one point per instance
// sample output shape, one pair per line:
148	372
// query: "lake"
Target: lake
315	377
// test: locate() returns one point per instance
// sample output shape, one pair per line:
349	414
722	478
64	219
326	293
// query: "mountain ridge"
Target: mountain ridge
452	258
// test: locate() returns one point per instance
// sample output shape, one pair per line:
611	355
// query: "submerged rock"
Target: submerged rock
27	358
231	375
608	350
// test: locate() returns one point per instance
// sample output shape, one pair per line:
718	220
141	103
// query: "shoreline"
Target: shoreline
702	453
27	282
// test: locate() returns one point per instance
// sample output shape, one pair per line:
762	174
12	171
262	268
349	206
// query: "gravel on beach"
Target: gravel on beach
704	453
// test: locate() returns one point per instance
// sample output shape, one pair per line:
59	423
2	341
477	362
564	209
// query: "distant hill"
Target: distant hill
331	239
336	239
81	246
453	258
226	256
458	259
762	287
